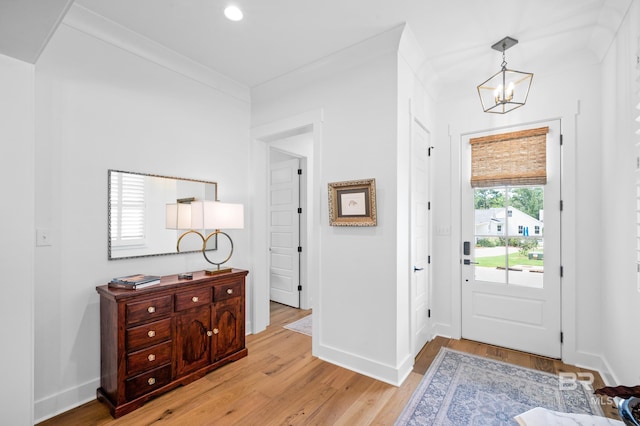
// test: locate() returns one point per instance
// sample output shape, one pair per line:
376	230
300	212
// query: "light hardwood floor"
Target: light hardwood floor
280	383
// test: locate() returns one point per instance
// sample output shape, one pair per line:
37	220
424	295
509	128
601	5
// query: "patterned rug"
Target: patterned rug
303	325
463	389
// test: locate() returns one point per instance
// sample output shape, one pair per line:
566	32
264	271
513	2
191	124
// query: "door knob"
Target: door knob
468	262
415	269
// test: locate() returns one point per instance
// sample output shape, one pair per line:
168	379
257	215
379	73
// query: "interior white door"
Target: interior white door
511	258
420	242
284	232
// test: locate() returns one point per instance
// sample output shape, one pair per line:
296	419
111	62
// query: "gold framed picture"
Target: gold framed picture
353	203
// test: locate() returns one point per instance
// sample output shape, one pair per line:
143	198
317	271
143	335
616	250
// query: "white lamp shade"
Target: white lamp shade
178	216
216	215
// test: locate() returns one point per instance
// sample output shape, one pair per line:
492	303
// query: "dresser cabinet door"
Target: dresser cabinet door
228	332
193	339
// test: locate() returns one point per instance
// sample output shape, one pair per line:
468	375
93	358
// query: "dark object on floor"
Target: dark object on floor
629	410
623	392
627	399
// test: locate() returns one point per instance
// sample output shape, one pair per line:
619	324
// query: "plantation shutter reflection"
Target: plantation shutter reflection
127	209
515	158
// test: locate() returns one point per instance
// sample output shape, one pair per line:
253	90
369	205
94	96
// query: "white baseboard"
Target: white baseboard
393	375
58	403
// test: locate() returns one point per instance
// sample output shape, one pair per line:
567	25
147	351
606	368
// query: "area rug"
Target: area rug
464	389
303	325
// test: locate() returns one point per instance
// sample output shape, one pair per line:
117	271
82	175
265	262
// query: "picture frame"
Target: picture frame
353	203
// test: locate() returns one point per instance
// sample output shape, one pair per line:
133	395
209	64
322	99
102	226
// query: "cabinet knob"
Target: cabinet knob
229	291
151	309
209	333
151	381
194	299
151	357
151	333
216	331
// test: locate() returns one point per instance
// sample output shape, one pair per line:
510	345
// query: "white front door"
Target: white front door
510	264
420	246
284	232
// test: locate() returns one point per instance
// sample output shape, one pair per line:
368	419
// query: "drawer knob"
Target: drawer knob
151	381
194	299
229	291
151	333
151	309
151	357
209	333
216	331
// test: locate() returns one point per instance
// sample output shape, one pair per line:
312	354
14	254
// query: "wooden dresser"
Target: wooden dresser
159	337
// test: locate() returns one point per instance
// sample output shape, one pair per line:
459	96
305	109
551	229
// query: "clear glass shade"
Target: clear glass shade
505	91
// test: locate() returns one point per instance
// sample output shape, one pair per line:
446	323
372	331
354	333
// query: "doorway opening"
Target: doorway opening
298	136
287	219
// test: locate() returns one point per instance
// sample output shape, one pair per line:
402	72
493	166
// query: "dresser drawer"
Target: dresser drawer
147	335
227	291
148	358
147	382
193	298
148	310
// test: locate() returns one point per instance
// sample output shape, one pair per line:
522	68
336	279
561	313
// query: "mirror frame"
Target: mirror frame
109	171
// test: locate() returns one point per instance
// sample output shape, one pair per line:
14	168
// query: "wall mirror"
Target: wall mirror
136	213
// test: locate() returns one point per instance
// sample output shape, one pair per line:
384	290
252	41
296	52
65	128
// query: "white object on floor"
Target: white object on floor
542	417
303	325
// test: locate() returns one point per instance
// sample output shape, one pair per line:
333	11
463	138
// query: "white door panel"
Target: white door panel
284	230
420	238
511	293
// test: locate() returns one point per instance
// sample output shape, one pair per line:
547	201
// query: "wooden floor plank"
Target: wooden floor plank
281	383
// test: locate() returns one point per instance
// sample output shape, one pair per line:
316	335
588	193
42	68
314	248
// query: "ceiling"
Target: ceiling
278	36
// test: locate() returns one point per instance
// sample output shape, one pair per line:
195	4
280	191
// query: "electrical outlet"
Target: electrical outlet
43	237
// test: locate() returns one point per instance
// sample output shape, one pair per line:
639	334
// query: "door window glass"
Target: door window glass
509	235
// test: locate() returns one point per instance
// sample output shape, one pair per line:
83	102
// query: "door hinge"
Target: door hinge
428	313
299	210
299	171
299	249
561	139
561	205
561	337
299	287
561	271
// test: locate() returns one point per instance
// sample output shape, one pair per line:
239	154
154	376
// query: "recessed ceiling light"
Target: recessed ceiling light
233	13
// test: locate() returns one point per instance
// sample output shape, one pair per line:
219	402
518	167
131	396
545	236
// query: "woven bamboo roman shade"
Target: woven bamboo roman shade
516	158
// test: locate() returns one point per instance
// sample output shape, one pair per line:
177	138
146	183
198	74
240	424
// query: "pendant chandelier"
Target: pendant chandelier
507	89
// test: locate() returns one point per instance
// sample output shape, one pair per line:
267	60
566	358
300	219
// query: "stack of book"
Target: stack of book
134	282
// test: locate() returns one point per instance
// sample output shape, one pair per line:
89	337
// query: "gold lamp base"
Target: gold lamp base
217	271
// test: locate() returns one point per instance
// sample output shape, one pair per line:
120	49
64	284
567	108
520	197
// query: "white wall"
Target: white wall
18	240
367	96
619	294
355	304
562	95
415	108
102	105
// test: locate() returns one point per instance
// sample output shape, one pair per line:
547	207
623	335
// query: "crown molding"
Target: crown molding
95	25
333	64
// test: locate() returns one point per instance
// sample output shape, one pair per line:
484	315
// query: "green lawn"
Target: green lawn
514	259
